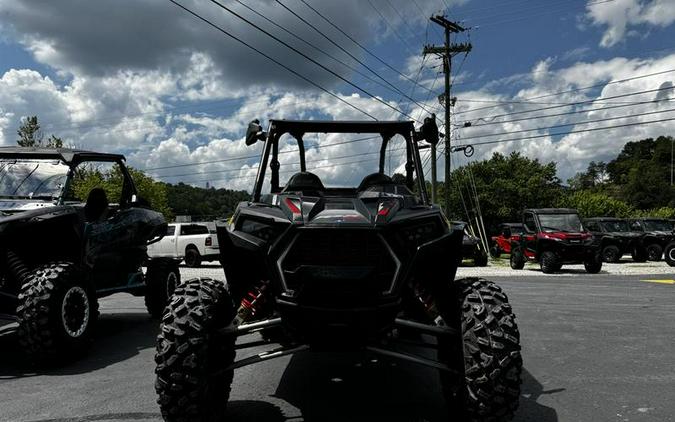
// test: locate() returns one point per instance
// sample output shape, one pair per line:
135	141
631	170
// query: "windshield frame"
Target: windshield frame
551	228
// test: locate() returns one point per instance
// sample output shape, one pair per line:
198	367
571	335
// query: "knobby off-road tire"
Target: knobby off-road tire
57	312
549	262
669	254
192	257
480	258
161	279
495	252
639	254
593	265
654	252
191	358
492	359
611	253
517	260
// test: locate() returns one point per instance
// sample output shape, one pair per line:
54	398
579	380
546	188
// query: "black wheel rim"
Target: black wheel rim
75	311
671	254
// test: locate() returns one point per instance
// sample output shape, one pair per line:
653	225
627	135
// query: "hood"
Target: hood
54	210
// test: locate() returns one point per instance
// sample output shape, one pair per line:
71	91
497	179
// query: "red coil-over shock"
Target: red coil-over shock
252	304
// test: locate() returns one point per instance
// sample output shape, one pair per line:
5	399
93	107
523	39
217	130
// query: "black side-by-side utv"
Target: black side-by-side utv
361	269
59	254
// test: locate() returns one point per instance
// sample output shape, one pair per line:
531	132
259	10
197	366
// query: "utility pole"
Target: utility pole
446	51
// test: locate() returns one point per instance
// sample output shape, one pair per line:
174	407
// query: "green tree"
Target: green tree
595	176
504	185
596	204
29	132
155	193
30	135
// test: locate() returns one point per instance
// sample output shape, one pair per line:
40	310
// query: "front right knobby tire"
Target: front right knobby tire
492	359
192	381
517	260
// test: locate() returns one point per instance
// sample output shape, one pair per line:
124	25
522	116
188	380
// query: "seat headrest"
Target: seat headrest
304	181
374	179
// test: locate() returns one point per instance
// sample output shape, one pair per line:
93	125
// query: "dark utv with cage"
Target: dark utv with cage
615	238
554	237
58	255
351	269
658	235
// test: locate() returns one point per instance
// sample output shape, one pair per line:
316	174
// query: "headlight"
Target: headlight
421	233
259	229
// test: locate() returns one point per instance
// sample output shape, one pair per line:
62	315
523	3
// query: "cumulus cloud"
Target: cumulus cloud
619	15
507	119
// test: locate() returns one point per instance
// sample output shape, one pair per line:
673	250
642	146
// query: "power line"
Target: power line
391	27
306	22
271	58
499	141
586	122
258	155
295	50
553	94
293	170
316	48
359	44
545	116
569	104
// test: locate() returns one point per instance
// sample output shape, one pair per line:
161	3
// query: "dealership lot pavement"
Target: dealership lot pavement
596	348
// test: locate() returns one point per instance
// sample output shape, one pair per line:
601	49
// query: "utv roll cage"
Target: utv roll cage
298	128
72	158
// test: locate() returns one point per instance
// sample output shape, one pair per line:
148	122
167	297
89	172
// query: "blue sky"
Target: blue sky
147	79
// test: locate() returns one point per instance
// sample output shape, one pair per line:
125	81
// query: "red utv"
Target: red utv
554	237
508	233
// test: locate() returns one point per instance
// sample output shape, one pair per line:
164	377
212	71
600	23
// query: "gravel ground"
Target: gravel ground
498	268
501	268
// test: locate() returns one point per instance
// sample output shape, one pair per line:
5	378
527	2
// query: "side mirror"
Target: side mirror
429	130
254	133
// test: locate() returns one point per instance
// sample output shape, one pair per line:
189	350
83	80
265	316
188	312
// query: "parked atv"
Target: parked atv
59	255
508	233
367	268
658	234
554	237
472	248
615	238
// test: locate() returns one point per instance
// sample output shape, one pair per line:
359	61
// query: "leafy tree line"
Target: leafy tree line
203	203
635	183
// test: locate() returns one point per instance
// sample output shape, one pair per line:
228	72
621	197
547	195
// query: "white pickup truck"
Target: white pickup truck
192	242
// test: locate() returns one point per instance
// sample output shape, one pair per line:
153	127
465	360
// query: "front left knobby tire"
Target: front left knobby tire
193	383
654	252
491	348
161	279
549	262
593	264
57	312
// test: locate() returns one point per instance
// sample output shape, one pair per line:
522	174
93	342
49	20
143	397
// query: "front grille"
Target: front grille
338	266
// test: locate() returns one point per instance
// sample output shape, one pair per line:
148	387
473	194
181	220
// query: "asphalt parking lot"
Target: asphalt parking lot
595	347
